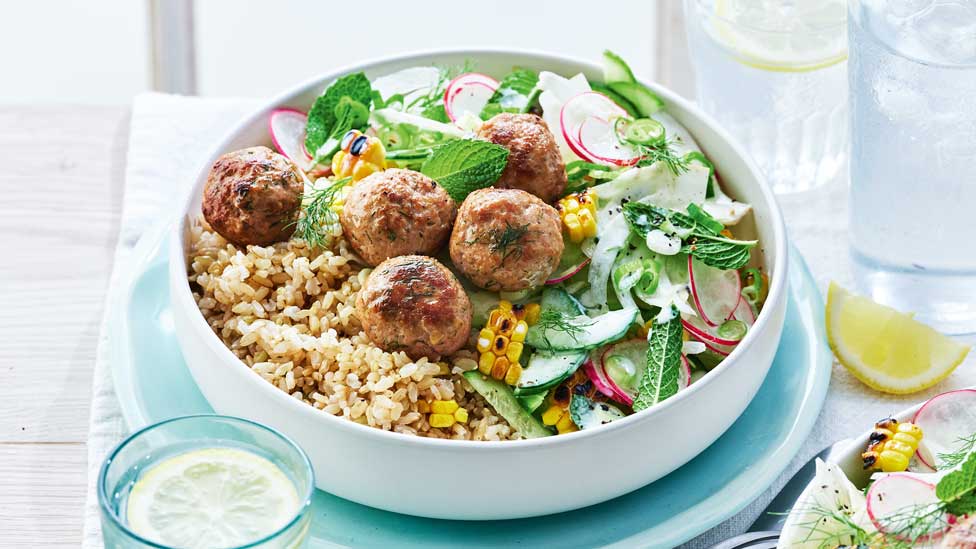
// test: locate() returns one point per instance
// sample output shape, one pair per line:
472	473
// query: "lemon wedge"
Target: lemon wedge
887	350
213	497
799	36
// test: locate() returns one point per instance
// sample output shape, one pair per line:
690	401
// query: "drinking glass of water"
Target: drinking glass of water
913	182
773	73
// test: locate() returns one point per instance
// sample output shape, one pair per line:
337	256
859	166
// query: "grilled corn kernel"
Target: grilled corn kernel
441	420
443	406
565	424
505	306
500	345
500	368
573	227
359	155
505	325
587	200
513	374
493	318
588	222
891	446
514	351
461	415
552	415
485	363
485	337
423	407
520	331
532	312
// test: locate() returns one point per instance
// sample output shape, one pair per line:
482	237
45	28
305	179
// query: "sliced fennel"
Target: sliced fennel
393	116
412	83
556	91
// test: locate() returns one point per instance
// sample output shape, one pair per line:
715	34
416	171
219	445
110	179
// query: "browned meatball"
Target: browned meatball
414	304
253	196
506	239
962	535
397	212
534	161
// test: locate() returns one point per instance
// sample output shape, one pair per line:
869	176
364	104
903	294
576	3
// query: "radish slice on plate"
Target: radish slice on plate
599	380
889	502
468	93
716	292
946	420
287	129
587	123
707	334
743	311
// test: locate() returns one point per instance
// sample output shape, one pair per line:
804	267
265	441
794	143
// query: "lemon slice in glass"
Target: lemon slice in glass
801	35
213	497
886	349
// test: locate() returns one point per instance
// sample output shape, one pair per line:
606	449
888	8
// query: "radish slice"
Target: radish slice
568	273
684	380
599	380
587	124
945	420
716	292
468	93
287	129
889	500
743	311
707	334
623	365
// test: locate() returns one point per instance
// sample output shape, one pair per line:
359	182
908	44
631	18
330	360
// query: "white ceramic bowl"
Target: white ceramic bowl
496	480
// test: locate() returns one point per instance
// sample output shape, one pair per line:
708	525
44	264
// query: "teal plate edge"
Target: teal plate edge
152	384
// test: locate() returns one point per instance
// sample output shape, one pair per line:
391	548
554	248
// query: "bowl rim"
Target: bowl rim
182	297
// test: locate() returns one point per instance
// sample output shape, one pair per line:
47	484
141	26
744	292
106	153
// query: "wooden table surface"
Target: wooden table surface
61	173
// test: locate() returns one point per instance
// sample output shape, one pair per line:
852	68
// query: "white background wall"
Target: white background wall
97	51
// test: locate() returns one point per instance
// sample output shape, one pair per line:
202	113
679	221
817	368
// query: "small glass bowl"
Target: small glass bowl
150	445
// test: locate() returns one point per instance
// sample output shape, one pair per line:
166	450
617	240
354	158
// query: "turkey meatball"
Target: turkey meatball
397	212
506	239
414	304
534	161
253	196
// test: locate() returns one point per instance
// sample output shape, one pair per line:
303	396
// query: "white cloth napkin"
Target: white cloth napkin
170	136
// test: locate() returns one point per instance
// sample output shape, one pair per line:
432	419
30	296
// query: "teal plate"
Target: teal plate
153	384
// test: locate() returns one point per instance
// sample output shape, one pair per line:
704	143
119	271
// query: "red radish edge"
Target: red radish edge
622	395
686	366
900	477
743	304
707	337
454	86
599	381
698	306
274	139
568	273
576	143
614	161
922	408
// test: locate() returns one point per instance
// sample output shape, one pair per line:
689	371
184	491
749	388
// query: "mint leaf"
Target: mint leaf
322	117
465	165
514	94
350	115
698	233
660	380
958	488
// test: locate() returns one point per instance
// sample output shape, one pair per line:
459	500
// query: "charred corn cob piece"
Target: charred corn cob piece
891	445
359	156
578	213
557	414
444	413
501	341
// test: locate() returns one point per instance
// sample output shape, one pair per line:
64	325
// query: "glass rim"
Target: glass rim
855	19
700	4
106	509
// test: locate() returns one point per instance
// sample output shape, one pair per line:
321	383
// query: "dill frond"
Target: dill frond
319	217
952	459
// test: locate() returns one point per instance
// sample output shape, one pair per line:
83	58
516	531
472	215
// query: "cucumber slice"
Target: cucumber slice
581	333
531	402
503	400
642	98
587	414
616	98
546	370
558	299
615	69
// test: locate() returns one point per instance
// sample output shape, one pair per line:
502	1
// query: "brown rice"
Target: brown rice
288	313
